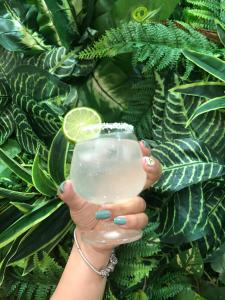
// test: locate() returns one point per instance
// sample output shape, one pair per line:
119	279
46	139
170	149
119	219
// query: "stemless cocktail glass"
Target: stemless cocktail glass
108	169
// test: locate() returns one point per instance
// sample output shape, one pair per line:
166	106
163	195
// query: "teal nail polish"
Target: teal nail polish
120	220
145	144
103	214
61	187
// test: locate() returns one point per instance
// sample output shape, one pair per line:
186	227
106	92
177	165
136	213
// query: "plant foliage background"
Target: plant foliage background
158	65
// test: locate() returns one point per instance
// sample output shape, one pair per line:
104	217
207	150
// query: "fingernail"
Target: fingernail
146	144
103	214
61	188
120	220
149	161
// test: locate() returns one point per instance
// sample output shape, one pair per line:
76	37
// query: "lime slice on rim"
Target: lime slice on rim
78	118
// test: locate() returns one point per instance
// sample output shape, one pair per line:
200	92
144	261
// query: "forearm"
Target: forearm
78	281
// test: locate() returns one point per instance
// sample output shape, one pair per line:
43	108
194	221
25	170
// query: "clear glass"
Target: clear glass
108	169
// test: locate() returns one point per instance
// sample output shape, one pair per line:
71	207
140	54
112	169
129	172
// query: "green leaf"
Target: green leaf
15	167
16	196
210	64
17	37
140	295
190	261
186	162
206	89
221	31
63	19
41	179
4	94
24	208
189	295
56	165
210	105
7	124
51	230
29	220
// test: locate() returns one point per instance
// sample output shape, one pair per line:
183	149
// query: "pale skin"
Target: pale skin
78	281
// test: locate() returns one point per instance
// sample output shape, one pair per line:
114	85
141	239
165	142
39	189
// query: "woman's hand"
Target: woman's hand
89	216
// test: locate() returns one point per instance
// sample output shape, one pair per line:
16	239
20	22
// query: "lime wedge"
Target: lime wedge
77	119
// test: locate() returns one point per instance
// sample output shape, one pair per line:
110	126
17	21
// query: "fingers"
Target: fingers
153	169
137	221
134	206
67	194
145	149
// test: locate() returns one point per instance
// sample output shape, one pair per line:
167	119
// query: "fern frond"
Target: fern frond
156	45
202	13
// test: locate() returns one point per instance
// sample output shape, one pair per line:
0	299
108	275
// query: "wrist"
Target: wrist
97	255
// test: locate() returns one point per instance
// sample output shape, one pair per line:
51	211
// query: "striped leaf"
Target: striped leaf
15	36
56	166
40	213
61	62
184	216
4	94
7	124
26	137
186	162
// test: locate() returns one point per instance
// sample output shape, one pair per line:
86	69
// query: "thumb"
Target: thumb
68	195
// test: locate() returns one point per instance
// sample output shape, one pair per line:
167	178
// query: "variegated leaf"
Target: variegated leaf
7	124
186	162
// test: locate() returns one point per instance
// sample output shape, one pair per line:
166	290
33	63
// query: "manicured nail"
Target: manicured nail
120	220
103	214
146	144
149	161
61	188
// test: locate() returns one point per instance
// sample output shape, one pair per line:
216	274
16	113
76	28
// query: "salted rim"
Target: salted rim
110	126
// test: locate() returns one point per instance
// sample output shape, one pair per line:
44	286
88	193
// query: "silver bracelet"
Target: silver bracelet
103	272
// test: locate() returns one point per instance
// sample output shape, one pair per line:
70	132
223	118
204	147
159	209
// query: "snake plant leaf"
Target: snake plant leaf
17	37
15	167
41	179
24	208
210	64
56	165
62	21
205	89
210	105
16	196
40	213
7	124
186	162
51	231
221	31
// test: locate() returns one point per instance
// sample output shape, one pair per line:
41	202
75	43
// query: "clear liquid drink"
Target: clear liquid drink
107	169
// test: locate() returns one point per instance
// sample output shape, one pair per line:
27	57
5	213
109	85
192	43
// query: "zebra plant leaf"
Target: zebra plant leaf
56	165
61	62
40	213
15	36
7	124
210	64
186	162
5	98
26	137
41	180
